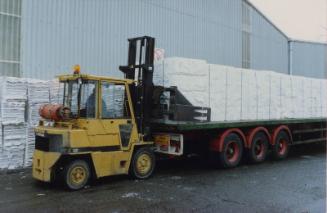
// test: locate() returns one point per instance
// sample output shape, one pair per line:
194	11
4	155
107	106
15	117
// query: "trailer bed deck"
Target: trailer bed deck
188	126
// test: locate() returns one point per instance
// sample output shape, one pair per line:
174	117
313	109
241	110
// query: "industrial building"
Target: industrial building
44	38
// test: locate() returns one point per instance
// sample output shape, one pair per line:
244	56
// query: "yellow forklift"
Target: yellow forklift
102	126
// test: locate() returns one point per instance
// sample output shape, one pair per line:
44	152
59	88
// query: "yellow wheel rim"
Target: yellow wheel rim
78	175
143	164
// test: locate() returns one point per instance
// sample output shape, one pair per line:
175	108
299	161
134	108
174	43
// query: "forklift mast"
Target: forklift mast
140	68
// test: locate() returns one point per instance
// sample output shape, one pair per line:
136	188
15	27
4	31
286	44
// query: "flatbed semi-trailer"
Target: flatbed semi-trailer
229	141
108	126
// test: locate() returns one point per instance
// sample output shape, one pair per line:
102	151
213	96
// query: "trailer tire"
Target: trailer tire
257	153
281	145
76	174
142	164
232	152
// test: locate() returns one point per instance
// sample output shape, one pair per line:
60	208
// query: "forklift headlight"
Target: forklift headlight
55	143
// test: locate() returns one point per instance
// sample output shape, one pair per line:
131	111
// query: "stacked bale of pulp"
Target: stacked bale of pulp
13	100
242	94
190	75
38	95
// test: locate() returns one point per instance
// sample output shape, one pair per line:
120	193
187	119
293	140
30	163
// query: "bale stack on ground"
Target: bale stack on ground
38	93
13	102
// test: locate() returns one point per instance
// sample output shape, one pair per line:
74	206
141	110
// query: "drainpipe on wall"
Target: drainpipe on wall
290	57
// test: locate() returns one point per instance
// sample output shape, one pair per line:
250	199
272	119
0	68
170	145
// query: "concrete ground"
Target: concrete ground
297	184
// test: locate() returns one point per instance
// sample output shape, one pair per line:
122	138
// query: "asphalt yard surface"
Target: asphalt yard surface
297	184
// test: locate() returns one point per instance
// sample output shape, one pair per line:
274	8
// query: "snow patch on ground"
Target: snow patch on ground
130	195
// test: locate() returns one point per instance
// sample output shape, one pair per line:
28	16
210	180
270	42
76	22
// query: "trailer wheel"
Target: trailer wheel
281	146
143	163
259	147
76	174
231	154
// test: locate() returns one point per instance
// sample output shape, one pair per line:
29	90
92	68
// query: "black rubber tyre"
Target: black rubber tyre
259	148
142	164
281	148
76	174
232	152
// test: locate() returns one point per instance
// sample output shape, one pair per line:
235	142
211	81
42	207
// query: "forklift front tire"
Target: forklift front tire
142	164
76	174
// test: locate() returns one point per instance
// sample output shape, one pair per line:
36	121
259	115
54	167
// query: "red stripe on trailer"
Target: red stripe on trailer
218	143
277	130
252	132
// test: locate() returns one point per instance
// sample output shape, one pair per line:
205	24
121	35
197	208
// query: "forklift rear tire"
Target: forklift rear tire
142	164
76	174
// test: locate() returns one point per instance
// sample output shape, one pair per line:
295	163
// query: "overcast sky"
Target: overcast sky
299	19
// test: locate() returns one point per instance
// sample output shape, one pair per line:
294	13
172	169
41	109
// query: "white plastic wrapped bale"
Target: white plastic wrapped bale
233	94
298	97
12	111
249	95
286	97
33	116
189	75
324	97
13	88
275	111
263	88
316	98
307	98
218	87
14	138
37	91
29	146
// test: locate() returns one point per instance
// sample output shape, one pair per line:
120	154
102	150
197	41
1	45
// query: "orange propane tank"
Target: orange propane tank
51	112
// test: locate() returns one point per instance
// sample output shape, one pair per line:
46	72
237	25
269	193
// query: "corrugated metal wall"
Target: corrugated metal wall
58	34
269	47
308	59
10	26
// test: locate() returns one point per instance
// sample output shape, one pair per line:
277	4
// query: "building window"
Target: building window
246	36
10	32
